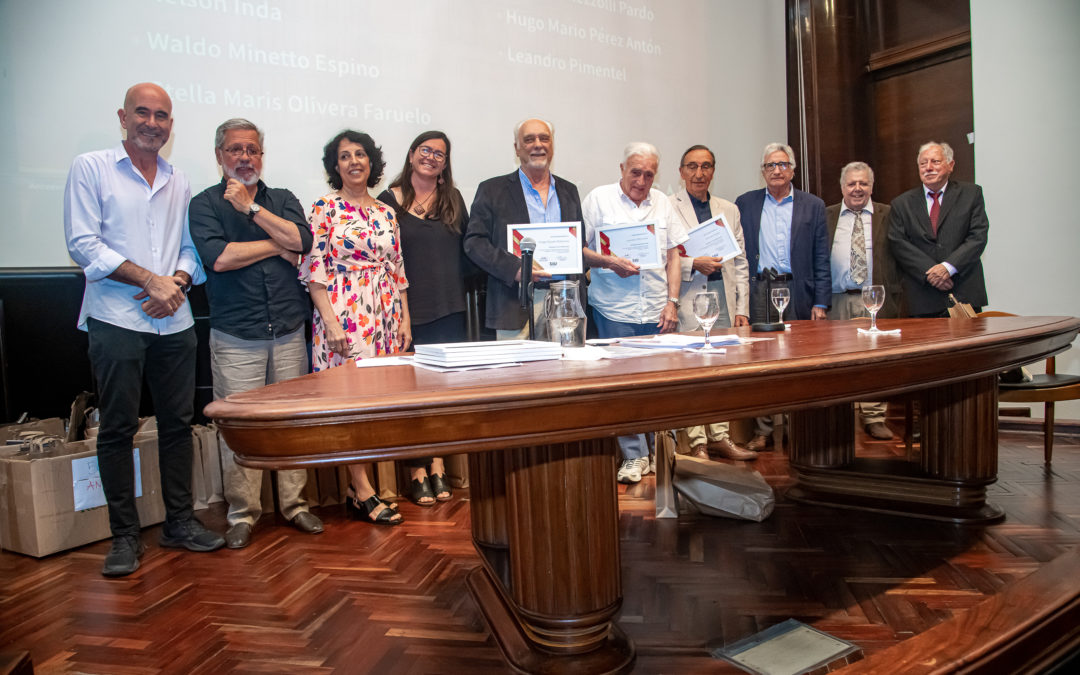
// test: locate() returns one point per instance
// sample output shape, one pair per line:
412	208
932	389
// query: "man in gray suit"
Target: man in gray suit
858	231
938	231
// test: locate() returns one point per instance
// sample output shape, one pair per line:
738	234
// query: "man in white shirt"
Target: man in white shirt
125	220
627	300
859	235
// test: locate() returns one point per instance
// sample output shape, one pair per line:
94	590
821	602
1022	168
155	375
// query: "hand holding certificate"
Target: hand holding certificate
558	245
635	242
713	239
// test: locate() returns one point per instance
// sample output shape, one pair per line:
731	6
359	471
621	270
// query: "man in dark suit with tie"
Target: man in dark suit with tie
859	232
784	229
938	232
532	194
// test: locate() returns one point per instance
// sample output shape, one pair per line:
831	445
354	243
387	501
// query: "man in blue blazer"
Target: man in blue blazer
532	194
784	229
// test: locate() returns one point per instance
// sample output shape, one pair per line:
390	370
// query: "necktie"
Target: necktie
935	210
858	250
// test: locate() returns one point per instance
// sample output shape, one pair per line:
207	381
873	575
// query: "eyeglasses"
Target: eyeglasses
437	155
783	166
692	167
237	151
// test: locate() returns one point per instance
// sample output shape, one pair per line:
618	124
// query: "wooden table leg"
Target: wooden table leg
958	459
557	612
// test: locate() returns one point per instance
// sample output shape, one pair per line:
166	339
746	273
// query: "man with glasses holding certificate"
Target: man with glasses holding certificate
729	279
631	234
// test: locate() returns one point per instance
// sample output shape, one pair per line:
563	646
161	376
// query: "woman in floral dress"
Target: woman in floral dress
356	279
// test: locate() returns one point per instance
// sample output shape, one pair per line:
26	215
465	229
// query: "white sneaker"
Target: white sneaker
644	465
629	471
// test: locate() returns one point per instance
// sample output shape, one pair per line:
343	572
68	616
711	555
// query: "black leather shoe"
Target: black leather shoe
238	536
123	557
307	522
190	534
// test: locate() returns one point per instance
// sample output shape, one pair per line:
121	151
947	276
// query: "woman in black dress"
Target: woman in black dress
431	218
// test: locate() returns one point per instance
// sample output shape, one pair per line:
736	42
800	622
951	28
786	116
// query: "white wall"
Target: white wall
1026	86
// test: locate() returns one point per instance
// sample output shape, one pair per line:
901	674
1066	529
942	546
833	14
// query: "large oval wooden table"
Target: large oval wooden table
543	455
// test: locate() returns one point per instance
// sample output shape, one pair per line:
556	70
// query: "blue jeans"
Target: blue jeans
634	446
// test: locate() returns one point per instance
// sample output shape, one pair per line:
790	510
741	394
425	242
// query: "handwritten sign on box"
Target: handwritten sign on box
86	482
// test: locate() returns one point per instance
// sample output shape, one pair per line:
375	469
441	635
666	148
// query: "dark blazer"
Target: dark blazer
499	202
960	240
885	272
812	283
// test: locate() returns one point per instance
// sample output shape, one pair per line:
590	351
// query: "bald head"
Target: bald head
147	118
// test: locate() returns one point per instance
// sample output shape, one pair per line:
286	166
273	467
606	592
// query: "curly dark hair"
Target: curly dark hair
374	153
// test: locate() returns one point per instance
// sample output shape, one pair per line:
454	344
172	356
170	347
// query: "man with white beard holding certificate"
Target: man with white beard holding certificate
729	279
531	194
631	235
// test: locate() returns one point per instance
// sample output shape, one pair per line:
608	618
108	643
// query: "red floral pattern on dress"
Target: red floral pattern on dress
357	256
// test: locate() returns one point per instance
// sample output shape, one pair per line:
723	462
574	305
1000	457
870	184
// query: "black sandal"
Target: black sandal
362	510
351	494
420	489
439	485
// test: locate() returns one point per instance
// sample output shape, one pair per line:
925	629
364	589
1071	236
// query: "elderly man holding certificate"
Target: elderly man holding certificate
711	259
631	234
529	195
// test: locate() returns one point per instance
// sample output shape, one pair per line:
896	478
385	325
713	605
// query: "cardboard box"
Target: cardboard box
53	426
38	494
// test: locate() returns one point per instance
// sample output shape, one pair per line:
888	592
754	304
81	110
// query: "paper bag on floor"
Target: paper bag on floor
719	489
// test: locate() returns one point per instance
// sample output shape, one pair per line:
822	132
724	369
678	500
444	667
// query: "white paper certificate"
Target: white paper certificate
636	242
712	238
558	245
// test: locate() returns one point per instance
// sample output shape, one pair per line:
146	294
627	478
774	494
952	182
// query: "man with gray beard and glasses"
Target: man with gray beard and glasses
250	238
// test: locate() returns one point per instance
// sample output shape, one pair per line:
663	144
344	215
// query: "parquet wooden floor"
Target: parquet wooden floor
361	599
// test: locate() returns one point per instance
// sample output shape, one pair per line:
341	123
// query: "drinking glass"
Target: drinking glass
873	298
707	311
780	298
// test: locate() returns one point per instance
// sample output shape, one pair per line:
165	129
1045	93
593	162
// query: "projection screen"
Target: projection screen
605	72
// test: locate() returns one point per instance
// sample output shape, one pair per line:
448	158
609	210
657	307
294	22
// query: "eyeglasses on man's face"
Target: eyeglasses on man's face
237	151
783	166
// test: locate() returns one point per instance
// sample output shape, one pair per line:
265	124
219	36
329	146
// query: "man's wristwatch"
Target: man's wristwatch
674	300
253	209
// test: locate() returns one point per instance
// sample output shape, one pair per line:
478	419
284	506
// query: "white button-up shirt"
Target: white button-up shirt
642	297
111	214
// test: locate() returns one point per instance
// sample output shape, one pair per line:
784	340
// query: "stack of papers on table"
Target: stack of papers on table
464	354
679	341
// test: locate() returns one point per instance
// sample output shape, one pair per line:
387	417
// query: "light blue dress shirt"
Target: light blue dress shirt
774	238
538	212
840	255
111	214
